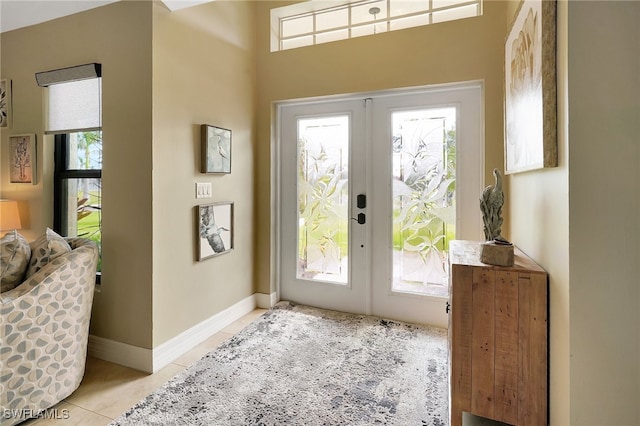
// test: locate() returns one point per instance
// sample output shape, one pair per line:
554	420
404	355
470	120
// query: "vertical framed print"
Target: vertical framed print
5	102
530	88
216	149
215	229
22	158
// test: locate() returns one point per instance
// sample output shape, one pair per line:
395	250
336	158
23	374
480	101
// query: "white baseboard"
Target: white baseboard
266	301
121	353
150	361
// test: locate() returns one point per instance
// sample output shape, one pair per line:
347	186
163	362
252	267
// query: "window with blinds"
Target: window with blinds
73	98
73	103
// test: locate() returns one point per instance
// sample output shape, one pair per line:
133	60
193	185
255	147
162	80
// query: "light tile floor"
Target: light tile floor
108	390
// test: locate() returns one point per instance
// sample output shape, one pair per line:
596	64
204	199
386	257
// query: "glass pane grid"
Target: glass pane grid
423	199
81	198
368	17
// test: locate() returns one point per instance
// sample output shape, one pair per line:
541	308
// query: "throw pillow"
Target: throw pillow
14	253
44	249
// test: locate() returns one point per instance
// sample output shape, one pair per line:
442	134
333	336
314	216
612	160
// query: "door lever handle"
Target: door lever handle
361	219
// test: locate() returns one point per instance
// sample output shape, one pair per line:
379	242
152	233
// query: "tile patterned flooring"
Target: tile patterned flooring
108	390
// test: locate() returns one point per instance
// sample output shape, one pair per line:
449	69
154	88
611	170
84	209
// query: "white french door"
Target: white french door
322	251
370	192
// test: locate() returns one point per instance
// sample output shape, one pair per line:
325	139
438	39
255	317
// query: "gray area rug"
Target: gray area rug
298	365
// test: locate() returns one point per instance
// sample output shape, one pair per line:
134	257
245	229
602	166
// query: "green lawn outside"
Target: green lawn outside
89	226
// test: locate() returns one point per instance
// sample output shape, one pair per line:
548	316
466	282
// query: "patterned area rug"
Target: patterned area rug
298	365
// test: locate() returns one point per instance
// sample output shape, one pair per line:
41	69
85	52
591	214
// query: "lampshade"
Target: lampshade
9	215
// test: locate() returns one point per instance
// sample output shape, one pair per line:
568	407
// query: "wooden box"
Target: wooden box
498	338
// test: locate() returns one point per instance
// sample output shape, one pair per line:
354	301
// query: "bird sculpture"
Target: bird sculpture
491	203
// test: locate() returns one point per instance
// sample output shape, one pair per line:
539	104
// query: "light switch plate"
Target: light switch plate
203	189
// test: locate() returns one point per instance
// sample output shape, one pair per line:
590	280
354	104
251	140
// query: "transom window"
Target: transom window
312	22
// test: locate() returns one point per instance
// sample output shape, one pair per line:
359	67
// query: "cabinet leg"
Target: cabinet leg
456	418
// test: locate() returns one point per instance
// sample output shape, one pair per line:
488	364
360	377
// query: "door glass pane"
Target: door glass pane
323	198
423	188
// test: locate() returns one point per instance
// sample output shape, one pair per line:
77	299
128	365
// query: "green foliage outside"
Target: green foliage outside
321	191
90	221
89	213
424	212
423	216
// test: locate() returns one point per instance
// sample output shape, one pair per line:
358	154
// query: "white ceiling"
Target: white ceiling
22	13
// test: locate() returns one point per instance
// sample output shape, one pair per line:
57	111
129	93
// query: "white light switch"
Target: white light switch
203	189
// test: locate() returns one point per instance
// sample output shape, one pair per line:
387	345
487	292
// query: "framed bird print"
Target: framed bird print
216	149
215	229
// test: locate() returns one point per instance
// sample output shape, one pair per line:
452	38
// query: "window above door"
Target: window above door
315	22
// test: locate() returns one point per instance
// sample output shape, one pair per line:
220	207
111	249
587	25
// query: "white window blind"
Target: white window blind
73	99
74	106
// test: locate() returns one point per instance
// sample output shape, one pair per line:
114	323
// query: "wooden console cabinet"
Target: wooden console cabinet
497	338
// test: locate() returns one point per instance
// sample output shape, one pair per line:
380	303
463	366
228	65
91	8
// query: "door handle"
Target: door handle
361	219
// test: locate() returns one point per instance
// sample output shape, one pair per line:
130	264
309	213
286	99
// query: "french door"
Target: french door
370	192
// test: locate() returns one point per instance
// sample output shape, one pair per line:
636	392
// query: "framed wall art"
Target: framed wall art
22	158
5	102
215	229
216	149
530	88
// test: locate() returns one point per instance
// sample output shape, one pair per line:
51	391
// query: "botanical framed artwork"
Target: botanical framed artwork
530	88
215	229
22	158
5	102
216	149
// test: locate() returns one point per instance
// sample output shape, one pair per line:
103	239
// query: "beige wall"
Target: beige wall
604	207
203	73
119	37
539	207
580	220
464	50
164	74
